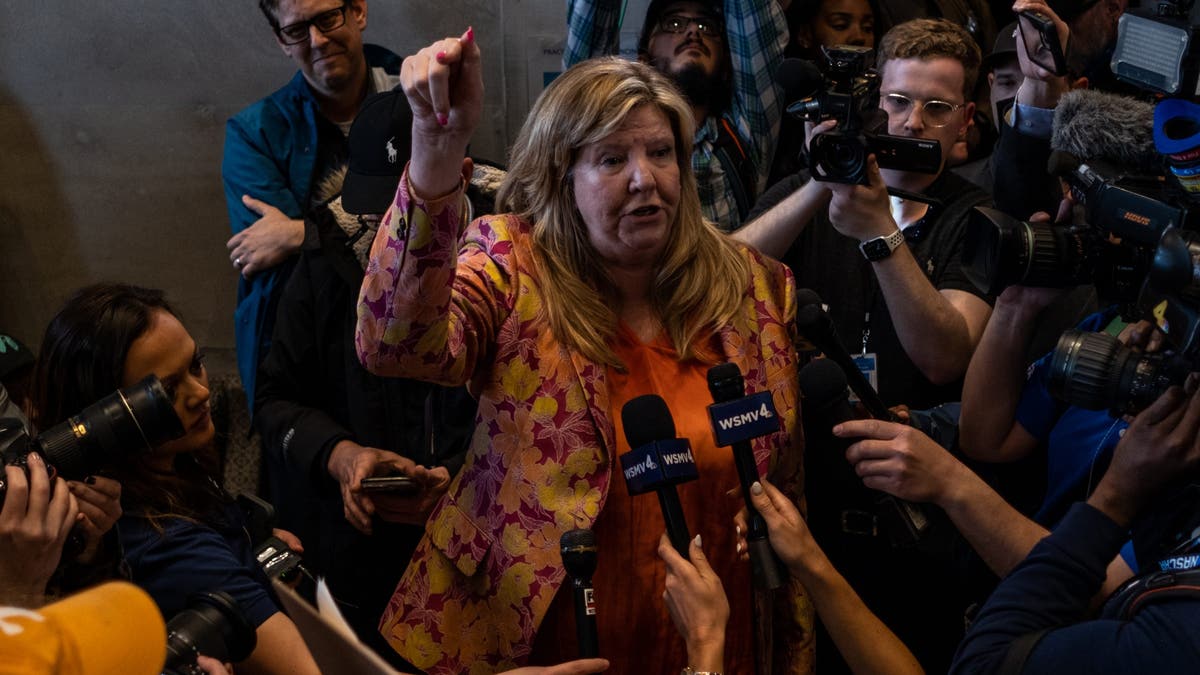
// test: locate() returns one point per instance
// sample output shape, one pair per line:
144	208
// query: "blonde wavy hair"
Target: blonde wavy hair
695	290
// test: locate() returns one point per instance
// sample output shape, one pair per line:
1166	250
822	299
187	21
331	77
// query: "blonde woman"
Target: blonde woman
603	283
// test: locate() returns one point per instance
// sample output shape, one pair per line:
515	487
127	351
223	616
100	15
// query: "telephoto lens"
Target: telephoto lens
136	418
1000	251
1095	371
213	625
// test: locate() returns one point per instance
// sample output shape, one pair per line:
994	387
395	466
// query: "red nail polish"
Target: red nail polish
470	34
443	119
441	56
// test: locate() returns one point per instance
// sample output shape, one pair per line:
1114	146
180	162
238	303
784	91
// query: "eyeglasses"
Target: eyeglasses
935	113
678	23
295	33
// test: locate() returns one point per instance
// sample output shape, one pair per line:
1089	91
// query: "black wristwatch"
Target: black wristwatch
879	248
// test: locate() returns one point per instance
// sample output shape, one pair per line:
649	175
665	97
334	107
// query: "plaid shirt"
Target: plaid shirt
756	33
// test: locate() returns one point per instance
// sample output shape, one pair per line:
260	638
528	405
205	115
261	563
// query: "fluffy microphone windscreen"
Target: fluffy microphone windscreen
112	629
1094	125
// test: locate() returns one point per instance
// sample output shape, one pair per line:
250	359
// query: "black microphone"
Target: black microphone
817	326
579	559
658	461
737	418
798	78
823	385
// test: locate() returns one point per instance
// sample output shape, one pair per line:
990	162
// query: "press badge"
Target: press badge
870	369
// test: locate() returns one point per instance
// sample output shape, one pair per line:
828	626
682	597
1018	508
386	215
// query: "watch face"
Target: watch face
876	249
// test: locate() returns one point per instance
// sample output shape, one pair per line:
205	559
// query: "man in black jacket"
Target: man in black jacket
327	423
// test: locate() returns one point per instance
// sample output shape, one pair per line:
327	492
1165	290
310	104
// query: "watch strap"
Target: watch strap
874	249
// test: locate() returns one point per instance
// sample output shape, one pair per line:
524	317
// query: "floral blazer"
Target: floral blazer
541	461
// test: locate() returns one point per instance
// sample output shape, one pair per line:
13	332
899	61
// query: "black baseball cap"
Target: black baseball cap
380	143
1005	47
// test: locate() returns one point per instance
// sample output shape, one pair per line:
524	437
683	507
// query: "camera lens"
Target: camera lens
1095	371
1000	251
141	416
839	157
213	625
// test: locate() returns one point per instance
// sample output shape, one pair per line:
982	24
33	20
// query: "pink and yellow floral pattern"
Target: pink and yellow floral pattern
454	311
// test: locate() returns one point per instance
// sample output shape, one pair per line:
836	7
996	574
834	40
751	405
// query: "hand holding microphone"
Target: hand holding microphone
697	603
736	419
579	559
658	461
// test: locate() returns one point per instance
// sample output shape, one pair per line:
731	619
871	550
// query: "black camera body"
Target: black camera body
133	419
276	559
213	625
850	95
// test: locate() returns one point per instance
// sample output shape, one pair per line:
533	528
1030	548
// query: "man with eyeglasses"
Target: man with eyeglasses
723	56
281	147
889	270
888	267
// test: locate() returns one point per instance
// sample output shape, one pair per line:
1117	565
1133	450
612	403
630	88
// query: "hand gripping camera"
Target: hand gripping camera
129	420
850	94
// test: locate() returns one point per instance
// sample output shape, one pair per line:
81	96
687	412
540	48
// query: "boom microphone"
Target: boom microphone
817	326
737	418
658	461
1093	125
823	385
579	559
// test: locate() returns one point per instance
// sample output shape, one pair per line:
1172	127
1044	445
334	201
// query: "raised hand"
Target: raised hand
444	86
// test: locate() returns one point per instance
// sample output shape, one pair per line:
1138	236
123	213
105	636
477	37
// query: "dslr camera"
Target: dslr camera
213	625
134	419
850	94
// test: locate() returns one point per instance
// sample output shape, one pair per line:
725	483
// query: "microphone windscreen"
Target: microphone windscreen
822	382
577	539
1094	125
111	629
725	382
798	78
647	419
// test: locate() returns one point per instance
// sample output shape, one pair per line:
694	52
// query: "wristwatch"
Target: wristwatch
687	670
879	248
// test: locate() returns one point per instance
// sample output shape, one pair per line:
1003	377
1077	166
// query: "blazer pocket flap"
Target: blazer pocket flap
457	536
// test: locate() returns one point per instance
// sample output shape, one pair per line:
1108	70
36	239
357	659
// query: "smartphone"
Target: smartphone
393	485
1041	42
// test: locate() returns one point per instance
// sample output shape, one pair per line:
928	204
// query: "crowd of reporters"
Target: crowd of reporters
1000	452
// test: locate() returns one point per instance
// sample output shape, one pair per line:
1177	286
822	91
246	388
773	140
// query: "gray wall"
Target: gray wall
112	120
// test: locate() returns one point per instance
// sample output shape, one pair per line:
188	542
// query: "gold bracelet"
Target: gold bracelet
687	670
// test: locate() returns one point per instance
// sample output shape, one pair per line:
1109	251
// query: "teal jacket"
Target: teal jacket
270	154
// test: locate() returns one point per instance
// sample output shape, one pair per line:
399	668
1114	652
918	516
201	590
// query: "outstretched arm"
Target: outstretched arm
863	640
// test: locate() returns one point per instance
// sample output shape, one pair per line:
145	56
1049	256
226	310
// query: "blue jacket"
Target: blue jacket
270	154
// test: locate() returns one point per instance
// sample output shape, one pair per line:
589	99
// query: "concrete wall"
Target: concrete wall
112	121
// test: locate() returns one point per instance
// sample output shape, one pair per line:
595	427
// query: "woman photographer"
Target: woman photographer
180	531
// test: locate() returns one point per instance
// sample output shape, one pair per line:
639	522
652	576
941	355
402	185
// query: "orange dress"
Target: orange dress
635	630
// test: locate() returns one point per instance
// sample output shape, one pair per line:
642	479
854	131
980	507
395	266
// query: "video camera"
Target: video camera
849	94
134	419
1126	215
